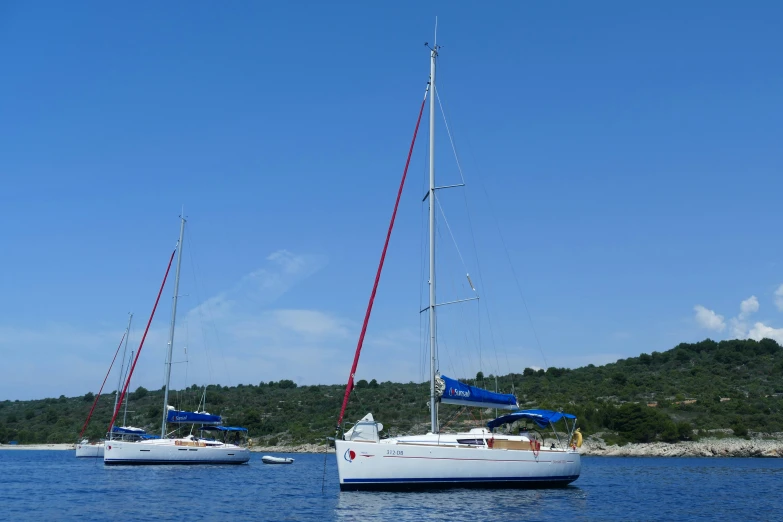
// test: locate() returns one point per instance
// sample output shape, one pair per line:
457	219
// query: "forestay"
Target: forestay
451	391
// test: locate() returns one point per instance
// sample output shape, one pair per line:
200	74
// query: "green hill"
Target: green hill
709	385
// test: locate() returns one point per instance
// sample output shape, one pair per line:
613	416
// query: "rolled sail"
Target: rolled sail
189	417
451	391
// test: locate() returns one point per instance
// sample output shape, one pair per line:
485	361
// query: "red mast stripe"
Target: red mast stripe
89	415
349	386
147	329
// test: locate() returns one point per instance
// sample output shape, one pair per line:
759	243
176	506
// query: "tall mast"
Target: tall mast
171	327
122	367
125	415
433	362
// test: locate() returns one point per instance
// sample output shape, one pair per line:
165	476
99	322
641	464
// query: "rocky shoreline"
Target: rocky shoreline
596	447
592	447
708	447
57	447
299	448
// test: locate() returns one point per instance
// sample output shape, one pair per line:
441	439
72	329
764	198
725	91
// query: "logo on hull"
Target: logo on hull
349	455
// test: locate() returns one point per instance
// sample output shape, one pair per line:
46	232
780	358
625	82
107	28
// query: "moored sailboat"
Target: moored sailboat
190	449
94	449
480	457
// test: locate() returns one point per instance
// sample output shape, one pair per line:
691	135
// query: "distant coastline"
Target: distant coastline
592	447
596	447
37	446
692	393
294	448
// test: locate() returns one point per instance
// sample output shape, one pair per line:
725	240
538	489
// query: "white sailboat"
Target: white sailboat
191	449
477	458
85	448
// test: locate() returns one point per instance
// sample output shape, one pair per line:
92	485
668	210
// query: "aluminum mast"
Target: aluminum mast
433	361
125	415
171	327
122	367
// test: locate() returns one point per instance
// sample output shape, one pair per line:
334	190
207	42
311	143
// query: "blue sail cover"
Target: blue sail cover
128	430
133	431
541	417
189	417
455	392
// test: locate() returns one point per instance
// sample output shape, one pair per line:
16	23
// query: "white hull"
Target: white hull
276	460
172	451
89	450
395	464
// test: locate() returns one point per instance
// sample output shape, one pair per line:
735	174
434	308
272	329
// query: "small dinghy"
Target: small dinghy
266	459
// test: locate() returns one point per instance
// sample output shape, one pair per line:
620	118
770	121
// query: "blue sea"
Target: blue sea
54	485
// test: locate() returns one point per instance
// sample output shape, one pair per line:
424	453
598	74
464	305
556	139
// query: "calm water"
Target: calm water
49	485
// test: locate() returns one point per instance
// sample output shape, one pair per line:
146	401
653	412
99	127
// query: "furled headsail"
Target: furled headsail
451	391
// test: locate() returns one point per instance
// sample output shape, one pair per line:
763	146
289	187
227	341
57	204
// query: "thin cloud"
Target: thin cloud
289	262
739	329
779	298
748	306
219	338
761	331
738	326
709	319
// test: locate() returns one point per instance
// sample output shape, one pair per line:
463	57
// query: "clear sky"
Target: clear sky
630	154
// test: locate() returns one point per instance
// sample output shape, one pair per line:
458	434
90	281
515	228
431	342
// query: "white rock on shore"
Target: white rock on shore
301	448
37	446
712	447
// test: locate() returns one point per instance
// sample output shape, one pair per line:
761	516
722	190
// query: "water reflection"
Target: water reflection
457	504
53	485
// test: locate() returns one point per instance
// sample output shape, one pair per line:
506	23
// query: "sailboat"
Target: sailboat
124	448
481	457
85	448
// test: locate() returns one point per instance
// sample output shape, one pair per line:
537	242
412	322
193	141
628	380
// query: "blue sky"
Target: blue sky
631	154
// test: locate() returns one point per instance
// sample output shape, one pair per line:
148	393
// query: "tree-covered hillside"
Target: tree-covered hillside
660	396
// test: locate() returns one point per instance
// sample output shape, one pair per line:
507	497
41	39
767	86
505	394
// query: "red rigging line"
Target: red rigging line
89	415
349	386
138	351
